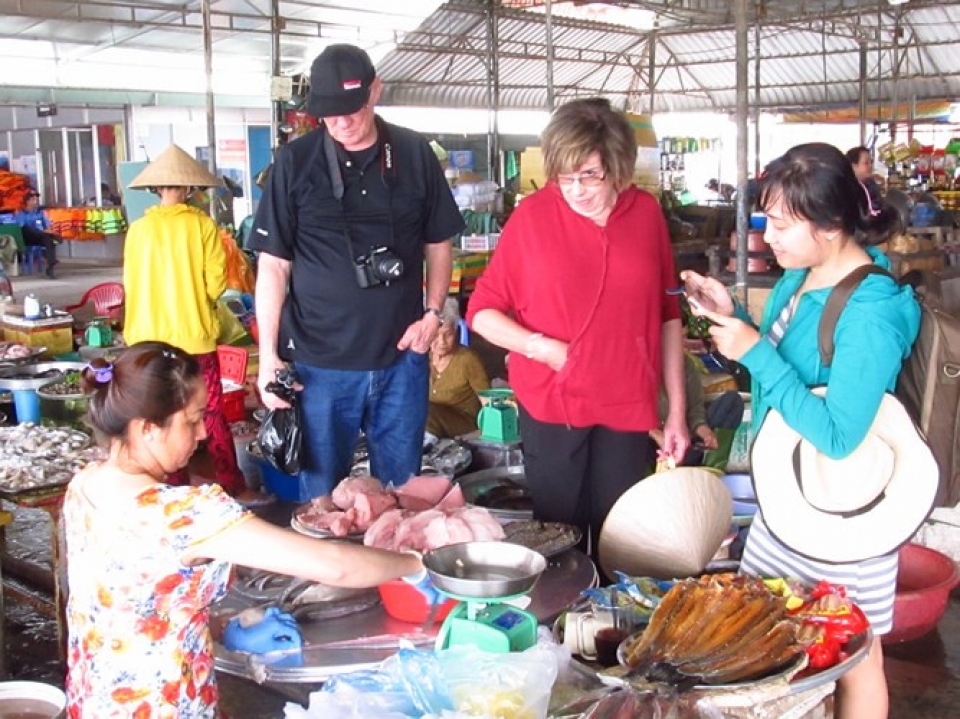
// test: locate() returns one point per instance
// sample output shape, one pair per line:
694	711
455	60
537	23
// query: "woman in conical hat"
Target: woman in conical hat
174	271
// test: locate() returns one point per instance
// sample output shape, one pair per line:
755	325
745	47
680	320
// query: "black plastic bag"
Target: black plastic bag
281	433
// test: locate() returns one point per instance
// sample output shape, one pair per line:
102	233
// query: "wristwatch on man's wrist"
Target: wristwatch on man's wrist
435	312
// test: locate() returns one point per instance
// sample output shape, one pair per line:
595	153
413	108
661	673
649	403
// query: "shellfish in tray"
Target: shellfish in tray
718	629
33	457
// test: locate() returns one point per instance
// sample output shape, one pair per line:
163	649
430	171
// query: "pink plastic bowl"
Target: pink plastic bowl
924	581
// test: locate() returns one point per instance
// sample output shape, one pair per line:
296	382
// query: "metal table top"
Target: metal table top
560	585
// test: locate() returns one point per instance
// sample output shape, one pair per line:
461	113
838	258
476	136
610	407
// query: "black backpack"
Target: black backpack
929	381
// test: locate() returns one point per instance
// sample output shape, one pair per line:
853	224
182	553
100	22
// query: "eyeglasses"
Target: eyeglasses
589	178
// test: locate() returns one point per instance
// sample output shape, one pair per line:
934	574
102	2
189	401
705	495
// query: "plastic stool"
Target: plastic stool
38	259
32	259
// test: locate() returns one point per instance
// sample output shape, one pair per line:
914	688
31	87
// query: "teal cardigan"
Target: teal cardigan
874	335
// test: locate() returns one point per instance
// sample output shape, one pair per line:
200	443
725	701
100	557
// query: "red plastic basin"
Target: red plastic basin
401	601
924	581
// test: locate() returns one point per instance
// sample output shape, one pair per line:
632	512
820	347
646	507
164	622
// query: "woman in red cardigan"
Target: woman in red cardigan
577	292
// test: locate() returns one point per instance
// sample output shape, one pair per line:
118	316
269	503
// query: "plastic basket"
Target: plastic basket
233	405
402	601
233	363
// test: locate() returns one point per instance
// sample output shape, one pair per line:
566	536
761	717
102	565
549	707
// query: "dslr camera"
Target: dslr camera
380	266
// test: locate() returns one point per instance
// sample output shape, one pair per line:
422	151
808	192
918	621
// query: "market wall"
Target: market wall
154	128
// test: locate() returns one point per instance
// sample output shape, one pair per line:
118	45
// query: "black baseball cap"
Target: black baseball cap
340	80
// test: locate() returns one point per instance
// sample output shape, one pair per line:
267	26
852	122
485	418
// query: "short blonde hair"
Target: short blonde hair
581	127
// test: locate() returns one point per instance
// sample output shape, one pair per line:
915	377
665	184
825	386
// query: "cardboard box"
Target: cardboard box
54	333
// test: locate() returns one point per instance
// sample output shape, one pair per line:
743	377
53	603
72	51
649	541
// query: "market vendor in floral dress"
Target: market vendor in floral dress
147	559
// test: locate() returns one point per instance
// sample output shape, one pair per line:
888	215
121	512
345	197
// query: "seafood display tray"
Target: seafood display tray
547	538
363	640
784	672
35	496
803	679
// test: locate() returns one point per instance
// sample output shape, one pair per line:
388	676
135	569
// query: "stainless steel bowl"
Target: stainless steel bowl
484	570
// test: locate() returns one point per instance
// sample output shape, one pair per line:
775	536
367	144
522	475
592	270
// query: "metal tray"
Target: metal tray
858	647
308	531
556	537
476	484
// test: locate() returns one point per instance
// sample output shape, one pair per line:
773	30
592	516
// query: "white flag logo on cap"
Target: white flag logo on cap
352	84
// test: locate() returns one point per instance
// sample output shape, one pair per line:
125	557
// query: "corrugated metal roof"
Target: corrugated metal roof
809	49
809	56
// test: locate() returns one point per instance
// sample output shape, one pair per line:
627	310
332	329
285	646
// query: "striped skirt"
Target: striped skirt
871	583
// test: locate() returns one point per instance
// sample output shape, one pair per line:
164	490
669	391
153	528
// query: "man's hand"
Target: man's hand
676	439
266	375
420	335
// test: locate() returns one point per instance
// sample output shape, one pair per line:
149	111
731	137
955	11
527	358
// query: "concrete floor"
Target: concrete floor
923	675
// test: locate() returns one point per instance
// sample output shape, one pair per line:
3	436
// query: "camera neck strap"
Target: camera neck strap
388	171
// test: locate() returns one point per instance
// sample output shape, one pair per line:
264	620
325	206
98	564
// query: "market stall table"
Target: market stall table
364	639
50	501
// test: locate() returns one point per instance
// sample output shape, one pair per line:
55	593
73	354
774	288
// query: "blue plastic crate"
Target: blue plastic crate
286	487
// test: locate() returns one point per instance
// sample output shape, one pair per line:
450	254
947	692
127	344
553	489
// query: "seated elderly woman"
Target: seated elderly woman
456	375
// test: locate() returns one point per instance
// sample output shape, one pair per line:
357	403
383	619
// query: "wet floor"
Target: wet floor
923	675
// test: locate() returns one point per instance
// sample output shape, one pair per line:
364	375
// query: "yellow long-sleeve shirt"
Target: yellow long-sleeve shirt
174	269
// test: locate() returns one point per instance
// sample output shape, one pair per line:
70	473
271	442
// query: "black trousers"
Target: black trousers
575	475
32	237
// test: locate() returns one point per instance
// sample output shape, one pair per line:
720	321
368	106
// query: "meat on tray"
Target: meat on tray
357	503
422	531
14	350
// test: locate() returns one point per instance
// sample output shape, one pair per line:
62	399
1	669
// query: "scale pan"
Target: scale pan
484	570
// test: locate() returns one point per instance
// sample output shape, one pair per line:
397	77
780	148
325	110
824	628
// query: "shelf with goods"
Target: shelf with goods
916	166
683	157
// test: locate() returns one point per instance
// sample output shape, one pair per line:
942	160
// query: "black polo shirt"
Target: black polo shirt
328	320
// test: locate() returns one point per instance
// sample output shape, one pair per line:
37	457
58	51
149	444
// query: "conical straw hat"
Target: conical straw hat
174	168
668	525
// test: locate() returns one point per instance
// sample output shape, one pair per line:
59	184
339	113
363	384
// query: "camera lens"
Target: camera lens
389	267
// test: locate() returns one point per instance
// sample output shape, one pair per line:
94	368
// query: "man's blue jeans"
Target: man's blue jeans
389	405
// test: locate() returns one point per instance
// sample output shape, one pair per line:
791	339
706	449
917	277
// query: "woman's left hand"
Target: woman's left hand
733	337
676	438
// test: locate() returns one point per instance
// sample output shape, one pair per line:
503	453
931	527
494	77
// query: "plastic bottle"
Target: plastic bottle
31	307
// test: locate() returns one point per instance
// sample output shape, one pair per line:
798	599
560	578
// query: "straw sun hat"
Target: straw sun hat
174	168
845	510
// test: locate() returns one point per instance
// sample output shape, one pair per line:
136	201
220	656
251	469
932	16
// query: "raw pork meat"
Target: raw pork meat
345	492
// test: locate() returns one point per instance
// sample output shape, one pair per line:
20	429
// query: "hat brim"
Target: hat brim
338	105
888	523
668	525
174	168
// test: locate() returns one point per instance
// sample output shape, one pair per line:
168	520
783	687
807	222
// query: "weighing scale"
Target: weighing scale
488	624
484	577
497	419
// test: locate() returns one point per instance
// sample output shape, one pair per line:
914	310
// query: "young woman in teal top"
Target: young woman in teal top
820	225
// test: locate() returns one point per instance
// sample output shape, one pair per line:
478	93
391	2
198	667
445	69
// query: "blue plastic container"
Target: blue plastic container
286	487
758	221
27	404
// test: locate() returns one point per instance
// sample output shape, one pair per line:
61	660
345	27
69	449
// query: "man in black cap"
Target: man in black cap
354	222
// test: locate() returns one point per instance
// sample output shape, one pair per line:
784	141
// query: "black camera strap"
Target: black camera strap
388	171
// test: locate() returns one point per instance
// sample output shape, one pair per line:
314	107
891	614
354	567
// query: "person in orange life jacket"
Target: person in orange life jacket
35	226
577	292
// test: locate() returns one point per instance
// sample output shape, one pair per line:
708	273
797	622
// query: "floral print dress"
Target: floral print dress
139	645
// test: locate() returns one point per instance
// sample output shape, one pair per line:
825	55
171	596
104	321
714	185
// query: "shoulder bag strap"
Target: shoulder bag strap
836	301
